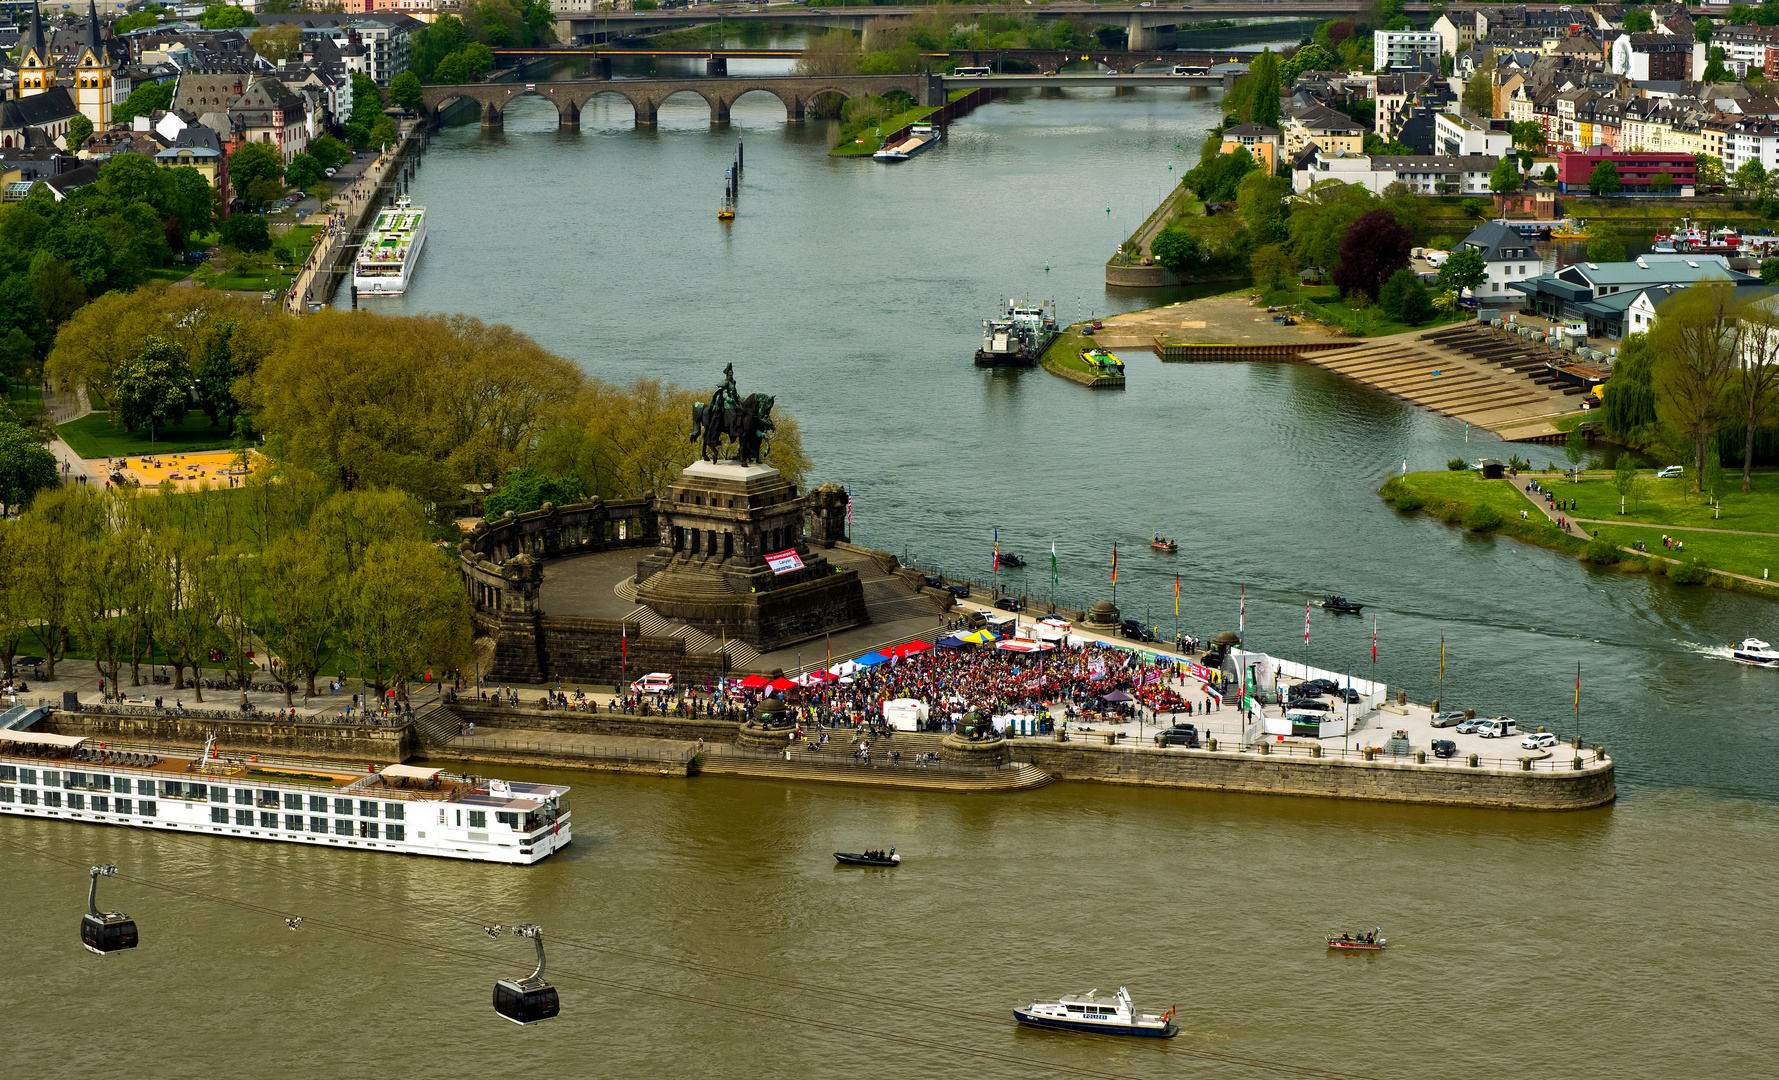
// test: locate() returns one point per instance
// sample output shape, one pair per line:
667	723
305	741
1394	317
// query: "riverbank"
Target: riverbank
1063	358
1467	500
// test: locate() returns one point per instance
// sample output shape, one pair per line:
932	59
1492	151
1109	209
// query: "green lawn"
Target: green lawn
850	146
1470	489
1672	502
1065	351
251	281
168	274
95	436
1328	298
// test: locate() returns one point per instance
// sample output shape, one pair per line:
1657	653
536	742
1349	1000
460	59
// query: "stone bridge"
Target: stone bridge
646	95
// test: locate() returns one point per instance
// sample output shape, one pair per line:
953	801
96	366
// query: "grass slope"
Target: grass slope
95	436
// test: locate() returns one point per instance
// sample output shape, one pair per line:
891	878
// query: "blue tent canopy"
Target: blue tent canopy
950	641
871	659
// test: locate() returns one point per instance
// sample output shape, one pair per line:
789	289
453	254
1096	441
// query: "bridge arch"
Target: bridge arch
793	104
435	109
612	90
714	99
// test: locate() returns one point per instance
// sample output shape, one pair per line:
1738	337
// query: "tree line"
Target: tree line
217	579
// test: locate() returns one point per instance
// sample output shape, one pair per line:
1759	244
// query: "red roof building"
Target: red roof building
1636	171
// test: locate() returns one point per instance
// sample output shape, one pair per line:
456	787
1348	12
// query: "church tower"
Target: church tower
92	75
37	74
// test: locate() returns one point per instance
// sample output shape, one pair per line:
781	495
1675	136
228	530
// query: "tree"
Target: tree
1374	247
1708	171
1463	269
1715	71
1702	30
1404	298
1176	249
1769	272
51	538
146	98
79	127
304	171
1604	179
1273	269
1629	410
254	161
405	91
1751	179
56	287
833	53
149	391
1504	180
186	603
1624	475
382	133
523	491
113	563
1311	57
401	611
1696	348
329	151
246	232
300	600
1479	91
277	42
1662	182
1638	21
1606	249
1550	174
1265	94
1757	325
1741	14
225	17
25	467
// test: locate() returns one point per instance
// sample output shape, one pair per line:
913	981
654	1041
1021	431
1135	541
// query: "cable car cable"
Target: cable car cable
848	1029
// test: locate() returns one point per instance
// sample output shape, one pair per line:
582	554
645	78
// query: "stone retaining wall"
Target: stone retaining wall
391	744
590	723
1385	781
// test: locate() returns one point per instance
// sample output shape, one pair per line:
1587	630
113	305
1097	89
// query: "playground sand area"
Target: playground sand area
185	472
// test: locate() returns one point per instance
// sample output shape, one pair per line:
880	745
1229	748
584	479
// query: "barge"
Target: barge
1019	338
406	809
920	137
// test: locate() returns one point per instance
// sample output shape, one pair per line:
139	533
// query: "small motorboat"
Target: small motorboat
1755	651
1010	559
868	858
1340	605
1100	1015
1162	543
1372	942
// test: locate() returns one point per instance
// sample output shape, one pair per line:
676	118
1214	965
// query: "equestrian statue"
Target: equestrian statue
745	421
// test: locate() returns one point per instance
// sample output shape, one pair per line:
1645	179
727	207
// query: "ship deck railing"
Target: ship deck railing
229	763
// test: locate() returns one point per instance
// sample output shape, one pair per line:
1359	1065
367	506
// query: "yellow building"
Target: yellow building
37	72
1258	140
92	75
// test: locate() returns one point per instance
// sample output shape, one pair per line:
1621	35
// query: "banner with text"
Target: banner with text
784	562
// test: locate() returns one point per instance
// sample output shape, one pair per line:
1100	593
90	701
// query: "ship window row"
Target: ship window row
102	804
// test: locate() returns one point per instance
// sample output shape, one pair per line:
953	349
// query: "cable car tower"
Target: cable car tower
527	1000
105	932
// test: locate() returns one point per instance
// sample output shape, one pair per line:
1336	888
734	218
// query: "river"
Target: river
1632	941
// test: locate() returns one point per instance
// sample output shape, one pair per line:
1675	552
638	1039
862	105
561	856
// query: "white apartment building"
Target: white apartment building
1456	136
1404	48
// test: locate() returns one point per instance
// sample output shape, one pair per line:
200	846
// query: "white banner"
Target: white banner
784	562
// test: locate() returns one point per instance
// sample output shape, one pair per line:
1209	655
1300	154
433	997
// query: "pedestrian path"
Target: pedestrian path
1678	528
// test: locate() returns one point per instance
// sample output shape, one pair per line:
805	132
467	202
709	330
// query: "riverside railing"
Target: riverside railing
1575	760
679	755
843	761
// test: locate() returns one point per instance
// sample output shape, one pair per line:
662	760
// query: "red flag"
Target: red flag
624	644
1374	637
1306	624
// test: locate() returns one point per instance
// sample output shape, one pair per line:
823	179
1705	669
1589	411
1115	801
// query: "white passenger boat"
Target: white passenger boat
390	250
400	808
1755	651
1102	1015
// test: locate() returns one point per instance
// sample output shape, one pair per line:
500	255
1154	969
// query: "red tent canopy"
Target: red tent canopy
754	682
909	649
781	684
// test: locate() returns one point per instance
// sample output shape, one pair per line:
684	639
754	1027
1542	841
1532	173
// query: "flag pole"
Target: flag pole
1114	574
1578	706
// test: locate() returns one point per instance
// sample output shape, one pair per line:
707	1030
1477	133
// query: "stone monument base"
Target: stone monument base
770	740
986	753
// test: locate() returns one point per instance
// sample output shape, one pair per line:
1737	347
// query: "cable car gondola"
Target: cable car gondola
527	1000
105	932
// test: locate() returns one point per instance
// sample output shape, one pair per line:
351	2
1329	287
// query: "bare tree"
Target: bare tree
1758	323
1696	346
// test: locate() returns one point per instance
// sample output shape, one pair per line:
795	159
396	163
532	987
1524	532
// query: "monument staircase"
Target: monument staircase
435	723
742	656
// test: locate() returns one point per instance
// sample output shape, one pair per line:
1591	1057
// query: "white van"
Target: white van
1672	472
655	682
1498	728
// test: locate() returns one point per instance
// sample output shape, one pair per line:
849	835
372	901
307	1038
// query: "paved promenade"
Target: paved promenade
346	209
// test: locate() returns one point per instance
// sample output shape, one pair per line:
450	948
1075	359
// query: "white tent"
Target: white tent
905	714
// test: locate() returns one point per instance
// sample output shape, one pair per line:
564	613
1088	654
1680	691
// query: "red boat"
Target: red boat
1372	942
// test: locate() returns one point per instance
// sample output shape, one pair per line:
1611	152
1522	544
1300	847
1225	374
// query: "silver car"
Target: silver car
1447	719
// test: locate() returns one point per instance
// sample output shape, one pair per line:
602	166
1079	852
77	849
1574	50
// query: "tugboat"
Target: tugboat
1100	1015
1756	652
1102	361
1372	942
1019	338
868	858
1340	605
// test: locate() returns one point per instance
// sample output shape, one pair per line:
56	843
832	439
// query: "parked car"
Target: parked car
1348	694
1321	686
1498	728
655	682
1468	727
1539	740
1444	748
1178	735
1447	719
1315	705
932	581
1008	603
1136	631
962	592
1670	473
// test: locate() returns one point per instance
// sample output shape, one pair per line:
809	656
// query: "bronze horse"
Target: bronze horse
746	425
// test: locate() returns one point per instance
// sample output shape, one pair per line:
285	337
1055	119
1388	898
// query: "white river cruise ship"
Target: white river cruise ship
390	250
401	808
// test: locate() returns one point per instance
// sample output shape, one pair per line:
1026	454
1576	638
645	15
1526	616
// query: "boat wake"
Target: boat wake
1716	652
